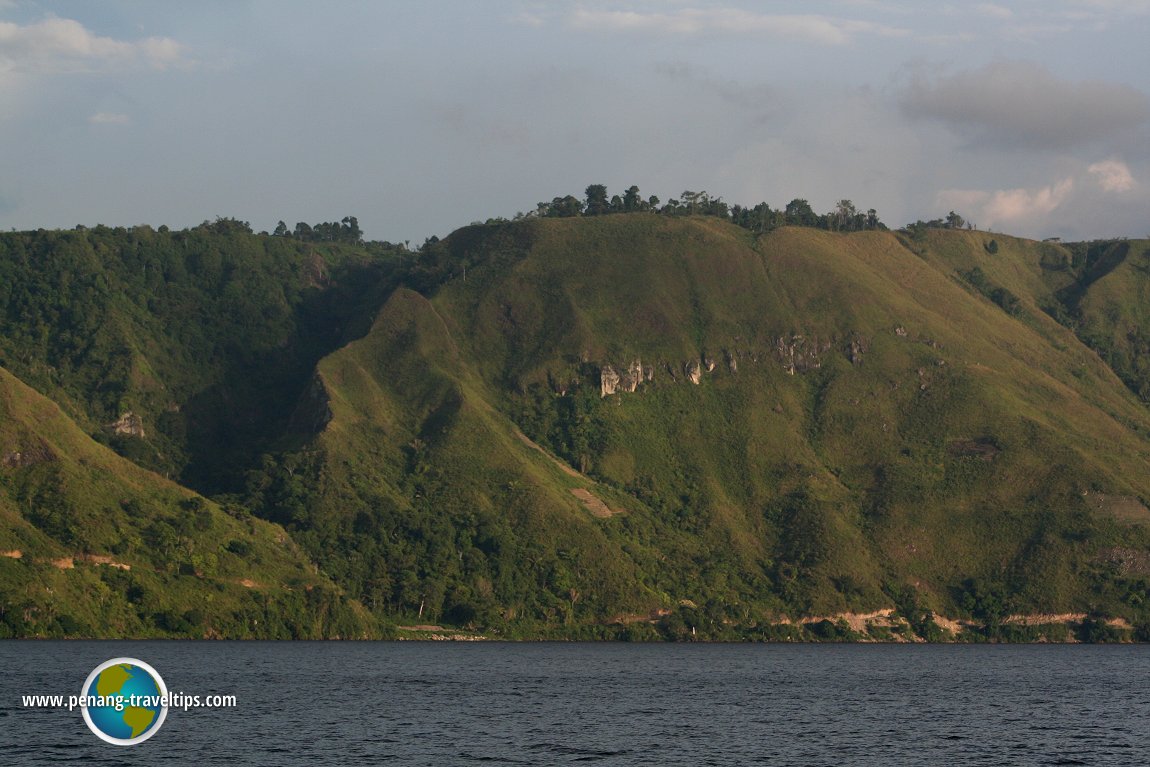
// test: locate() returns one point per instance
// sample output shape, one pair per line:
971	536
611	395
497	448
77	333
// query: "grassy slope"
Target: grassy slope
71	507
957	457
413	431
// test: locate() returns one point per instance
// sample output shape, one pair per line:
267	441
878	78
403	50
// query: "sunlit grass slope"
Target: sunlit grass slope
93	545
875	423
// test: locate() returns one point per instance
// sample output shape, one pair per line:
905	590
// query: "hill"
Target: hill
92	545
183	350
640	425
801	424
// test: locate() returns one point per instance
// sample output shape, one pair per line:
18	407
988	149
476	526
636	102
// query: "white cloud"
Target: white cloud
994	11
1101	198
1019	205
1112	176
1011	208
825	30
63	45
110	118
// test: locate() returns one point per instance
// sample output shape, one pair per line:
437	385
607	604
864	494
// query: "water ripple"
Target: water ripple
428	704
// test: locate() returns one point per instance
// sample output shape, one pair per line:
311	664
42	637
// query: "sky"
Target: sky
1028	117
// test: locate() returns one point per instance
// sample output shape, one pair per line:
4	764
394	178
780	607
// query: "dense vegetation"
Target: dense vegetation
208	336
759	218
802	423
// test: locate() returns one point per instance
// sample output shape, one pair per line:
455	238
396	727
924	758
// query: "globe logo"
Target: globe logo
124	701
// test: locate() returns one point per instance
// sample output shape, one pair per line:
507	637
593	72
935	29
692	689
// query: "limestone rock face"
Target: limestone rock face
633	377
608	381
797	353
612	381
856	347
129	425
732	361
800	354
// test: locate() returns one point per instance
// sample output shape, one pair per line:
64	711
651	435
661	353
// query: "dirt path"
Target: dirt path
69	563
1040	619
589	499
534	446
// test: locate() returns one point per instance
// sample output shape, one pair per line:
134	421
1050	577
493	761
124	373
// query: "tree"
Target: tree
759	218
631	200
693	200
799	211
844	215
281	230
350	230
565	207
597	203
954	221
226	225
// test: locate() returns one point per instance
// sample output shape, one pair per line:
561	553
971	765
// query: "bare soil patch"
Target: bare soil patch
593	504
1124	508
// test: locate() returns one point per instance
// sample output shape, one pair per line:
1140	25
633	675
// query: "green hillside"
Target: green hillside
92	545
183	350
869	429
619	426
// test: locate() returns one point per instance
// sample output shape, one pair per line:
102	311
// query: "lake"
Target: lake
440	703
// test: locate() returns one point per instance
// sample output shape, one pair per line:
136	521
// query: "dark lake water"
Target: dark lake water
305	704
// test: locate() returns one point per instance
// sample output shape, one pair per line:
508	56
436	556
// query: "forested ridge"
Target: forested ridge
609	417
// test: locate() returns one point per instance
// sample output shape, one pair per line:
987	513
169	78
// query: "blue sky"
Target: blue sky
1029	117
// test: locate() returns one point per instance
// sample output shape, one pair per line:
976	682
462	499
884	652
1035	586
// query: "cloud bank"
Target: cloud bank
1021	104
1099	190
64	45
824	30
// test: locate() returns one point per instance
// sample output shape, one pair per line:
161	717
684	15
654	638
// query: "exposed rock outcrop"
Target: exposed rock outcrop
608	381
799	354
128	425
856	347
627	380
27	455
